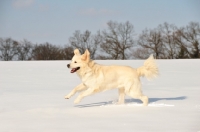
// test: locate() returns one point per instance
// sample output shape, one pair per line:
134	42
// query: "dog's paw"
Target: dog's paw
145	104
67	97
77	101
119	103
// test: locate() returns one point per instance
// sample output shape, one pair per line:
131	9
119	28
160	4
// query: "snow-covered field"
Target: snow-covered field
32	100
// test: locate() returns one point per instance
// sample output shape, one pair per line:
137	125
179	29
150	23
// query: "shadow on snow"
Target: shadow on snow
151	100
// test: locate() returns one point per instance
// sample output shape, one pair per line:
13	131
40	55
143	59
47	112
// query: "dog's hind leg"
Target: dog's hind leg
140	96
144	99
135	92
79	88
121	96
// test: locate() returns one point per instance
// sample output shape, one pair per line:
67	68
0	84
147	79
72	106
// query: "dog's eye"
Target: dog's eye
75	62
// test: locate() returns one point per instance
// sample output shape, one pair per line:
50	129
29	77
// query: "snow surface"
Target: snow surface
32	100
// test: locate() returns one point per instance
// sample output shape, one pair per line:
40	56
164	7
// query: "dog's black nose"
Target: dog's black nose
68	65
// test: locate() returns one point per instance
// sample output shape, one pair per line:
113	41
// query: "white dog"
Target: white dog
96	78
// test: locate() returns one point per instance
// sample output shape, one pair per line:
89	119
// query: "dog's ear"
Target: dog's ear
86	56
76	52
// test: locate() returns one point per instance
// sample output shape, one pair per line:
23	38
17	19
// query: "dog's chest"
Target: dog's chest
90	80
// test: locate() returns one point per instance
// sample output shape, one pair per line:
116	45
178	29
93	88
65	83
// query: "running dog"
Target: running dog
96	78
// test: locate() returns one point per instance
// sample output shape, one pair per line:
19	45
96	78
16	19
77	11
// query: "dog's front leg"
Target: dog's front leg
80	87
88	92
121	96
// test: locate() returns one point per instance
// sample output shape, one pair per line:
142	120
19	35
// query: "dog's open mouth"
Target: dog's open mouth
75	69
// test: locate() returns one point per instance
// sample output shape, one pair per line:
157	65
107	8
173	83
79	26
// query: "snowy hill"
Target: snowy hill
32	100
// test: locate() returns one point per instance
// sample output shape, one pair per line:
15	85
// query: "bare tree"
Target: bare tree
117	39
24	50
170	48
192	38
47	52
8	49
141	53
86	40
67	52
152	40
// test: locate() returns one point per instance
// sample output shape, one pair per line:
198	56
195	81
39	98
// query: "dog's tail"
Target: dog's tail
149	69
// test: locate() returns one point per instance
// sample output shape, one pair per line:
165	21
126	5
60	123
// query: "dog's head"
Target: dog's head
79	61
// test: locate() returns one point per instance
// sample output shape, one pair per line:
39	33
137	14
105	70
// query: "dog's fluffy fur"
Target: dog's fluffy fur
96	78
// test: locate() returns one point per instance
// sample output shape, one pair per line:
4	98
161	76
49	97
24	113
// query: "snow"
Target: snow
32	99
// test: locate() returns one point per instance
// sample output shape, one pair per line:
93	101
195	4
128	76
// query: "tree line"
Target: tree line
118	41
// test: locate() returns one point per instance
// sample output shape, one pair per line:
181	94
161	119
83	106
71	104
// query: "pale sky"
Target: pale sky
54	21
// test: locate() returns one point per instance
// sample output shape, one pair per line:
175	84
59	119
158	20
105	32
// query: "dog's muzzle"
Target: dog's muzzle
73	69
